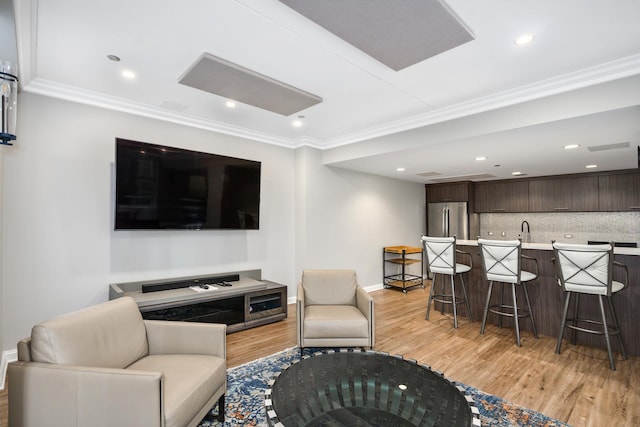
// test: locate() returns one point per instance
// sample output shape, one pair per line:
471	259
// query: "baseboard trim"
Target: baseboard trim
7	357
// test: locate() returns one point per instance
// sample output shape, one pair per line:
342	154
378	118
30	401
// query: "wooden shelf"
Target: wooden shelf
405	261
400	249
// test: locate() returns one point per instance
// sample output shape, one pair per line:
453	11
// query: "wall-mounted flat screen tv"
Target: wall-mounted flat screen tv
160	187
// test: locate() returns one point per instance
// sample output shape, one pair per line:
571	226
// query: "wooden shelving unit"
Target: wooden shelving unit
401	257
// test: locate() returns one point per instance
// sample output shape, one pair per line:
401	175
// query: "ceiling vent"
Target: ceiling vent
473	177
428	174
608	147
398	34
223	78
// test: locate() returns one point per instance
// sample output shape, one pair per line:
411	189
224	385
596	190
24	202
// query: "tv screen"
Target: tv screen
159	187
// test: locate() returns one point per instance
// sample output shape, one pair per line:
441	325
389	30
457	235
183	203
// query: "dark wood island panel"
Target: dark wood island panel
547	300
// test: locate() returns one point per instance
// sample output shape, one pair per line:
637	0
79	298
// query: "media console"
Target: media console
243	303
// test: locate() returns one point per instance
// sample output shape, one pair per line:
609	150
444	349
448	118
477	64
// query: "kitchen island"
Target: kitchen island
547	297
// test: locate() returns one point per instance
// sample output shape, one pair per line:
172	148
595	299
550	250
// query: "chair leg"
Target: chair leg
453	300
533	322
515	314
563	322
616	325
433	281
442	287
486	308
612	362
501	303
221	409
466	298
575	319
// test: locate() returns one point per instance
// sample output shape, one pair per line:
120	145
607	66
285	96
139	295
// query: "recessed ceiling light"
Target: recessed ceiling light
571	146
399	169
517	173
114	58
481	158
298	122
230	104
127	74
591	166
524	39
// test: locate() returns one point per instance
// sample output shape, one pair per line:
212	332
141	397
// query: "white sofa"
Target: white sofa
106	366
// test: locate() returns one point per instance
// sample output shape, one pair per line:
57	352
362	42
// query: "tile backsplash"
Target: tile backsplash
567	227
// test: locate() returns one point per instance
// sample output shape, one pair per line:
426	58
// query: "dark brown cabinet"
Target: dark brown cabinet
619	192
573	194
502	196
455	192
612	191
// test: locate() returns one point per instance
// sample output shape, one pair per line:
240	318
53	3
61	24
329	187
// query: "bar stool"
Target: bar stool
502	262
588	269
441	258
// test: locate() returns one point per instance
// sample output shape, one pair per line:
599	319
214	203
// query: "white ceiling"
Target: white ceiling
578	82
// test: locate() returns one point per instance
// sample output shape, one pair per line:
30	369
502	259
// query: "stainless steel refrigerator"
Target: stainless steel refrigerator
448	219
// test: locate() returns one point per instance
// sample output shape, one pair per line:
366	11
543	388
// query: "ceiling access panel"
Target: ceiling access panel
397	33
223	78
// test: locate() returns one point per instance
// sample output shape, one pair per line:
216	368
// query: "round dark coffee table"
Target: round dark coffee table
365	388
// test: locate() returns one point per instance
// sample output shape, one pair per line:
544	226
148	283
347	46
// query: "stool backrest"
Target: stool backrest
501	259
441	254
584	268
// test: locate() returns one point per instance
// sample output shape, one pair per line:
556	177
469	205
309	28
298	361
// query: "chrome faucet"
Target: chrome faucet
525	235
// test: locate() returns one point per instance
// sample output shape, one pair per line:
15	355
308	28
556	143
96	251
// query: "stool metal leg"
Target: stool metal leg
486	308
433	281
443	286
612	363
617	326
563	322
453	302
533	322
501	303
575	319
466	298
515	314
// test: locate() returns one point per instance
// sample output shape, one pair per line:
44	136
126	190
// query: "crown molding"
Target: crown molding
26	22
26	35
69	93
610	71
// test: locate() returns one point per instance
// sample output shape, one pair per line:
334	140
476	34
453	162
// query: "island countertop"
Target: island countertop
547	247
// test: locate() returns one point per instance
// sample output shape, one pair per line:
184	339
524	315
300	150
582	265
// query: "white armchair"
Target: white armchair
333	310
105	366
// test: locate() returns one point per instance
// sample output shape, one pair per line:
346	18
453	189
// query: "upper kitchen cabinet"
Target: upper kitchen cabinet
502	196
450	192
572	194
619	191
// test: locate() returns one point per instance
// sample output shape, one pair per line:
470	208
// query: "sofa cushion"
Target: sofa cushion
109	335
336	321
189	382
329	287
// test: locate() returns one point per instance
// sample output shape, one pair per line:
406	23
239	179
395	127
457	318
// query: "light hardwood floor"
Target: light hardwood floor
576	386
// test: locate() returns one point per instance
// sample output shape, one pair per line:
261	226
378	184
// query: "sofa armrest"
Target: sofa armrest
67	395
365	305
300	314
167	337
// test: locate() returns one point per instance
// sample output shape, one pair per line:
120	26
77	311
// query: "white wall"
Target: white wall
348	217
59	250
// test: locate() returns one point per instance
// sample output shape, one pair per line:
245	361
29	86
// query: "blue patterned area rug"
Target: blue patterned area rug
246	385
